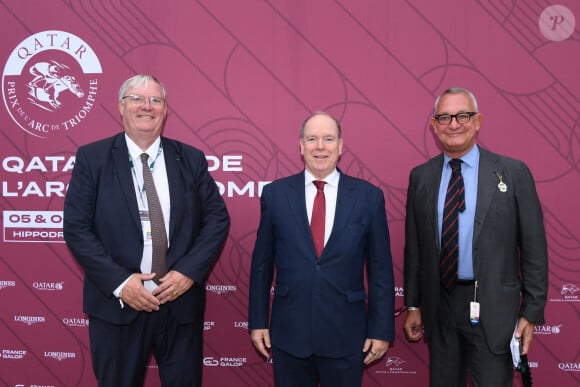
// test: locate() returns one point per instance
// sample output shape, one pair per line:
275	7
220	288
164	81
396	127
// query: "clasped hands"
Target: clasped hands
172	285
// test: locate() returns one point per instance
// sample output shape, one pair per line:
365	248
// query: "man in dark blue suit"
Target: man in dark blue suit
134	312
324	326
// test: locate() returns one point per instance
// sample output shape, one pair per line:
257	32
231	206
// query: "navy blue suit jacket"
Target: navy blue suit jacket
103	230
320	305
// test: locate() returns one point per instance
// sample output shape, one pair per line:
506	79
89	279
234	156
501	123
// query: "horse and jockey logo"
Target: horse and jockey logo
50	83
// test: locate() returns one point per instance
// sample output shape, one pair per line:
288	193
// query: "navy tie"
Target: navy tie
454	204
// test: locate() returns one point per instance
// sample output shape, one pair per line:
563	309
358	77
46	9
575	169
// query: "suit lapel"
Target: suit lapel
297	204
122	164
433	182
173	166
345	200
486	188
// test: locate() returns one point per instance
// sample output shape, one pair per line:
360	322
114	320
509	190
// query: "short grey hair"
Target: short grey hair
457	90
138	81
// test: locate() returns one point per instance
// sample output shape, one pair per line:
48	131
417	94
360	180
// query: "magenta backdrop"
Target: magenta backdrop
241	76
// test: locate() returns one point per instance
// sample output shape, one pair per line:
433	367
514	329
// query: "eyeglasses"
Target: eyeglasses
139	100
462	118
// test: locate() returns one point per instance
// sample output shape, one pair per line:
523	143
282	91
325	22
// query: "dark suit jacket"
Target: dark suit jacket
509	246
103	230
319	303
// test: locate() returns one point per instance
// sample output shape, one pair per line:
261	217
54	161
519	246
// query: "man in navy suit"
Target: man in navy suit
502	273
132	312
324	326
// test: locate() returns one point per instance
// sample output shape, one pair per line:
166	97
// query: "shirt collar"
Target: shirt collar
331	179
135	152
470	159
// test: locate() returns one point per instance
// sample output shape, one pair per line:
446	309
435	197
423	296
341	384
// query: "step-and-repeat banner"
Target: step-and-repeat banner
241	76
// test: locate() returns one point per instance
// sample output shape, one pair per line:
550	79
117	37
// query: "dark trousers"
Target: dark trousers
120	353
458	349
290	371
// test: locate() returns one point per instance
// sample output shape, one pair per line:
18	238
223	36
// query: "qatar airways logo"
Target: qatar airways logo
75	322
547	329
48	286
569	367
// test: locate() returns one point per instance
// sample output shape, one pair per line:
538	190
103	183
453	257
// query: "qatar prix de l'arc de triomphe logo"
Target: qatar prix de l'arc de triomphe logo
50	83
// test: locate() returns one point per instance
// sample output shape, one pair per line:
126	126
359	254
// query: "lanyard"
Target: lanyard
141	188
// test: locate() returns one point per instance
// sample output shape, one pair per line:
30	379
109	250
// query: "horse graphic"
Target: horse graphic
47	84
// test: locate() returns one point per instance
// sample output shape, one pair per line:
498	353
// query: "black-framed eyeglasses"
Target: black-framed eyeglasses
138	100
462	118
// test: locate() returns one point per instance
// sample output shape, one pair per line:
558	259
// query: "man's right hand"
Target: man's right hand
136	296
413	326
261	340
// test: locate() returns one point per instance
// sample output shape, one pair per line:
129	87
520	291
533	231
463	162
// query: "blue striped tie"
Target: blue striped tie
454	204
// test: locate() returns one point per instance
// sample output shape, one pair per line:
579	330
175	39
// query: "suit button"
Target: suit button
317	267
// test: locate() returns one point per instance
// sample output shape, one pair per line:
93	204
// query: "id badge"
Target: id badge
474	312
146	226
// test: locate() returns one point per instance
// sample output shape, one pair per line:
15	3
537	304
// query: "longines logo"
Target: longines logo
220	289
29	320
60	356
7	284
50	83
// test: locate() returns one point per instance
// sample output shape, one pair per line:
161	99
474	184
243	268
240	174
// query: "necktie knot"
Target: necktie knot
455	164
319	184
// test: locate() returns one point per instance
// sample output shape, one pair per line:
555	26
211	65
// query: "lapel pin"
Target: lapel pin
501	185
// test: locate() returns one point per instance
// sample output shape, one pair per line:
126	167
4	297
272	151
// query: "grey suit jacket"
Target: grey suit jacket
509	246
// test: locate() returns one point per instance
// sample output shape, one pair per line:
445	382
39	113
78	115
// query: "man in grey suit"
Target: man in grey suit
502	273
324	325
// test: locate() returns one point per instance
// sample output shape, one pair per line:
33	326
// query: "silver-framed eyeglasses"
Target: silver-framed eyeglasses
462	118
138	100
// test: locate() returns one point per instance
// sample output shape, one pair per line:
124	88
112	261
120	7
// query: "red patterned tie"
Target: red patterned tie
454	204
318	217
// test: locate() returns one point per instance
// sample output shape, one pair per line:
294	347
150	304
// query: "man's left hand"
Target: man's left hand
376	349
525	330
172	285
